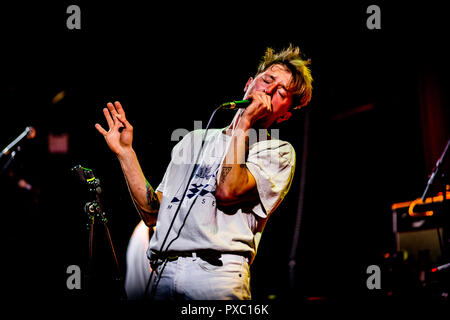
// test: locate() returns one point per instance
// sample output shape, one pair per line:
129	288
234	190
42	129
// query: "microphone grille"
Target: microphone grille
31	132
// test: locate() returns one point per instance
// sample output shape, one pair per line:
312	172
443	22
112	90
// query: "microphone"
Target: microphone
28	133
232	105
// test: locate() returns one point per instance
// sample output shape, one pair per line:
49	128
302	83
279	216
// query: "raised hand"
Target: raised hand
119	137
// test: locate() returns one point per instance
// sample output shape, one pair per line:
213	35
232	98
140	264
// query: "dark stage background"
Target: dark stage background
378	122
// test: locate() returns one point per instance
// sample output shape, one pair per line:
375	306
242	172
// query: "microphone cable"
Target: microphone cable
194	170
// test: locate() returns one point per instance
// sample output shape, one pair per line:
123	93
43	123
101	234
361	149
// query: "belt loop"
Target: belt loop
194	255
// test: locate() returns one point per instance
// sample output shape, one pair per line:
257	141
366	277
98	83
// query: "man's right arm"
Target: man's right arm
119	138
146	199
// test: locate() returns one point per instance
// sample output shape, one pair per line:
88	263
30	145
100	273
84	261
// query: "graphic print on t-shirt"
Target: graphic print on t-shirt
203	173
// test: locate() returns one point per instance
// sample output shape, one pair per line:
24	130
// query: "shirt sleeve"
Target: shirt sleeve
272	164
161	186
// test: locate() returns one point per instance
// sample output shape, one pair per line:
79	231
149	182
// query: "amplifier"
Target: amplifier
419	227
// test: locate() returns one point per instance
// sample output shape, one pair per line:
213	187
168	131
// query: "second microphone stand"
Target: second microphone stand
95	212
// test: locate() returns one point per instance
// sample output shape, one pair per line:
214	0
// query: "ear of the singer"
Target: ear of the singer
232	105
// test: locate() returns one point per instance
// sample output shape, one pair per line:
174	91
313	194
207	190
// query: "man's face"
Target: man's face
275	82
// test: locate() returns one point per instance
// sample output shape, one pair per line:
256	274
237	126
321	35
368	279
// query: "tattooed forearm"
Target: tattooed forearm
152	198
223	174
236	179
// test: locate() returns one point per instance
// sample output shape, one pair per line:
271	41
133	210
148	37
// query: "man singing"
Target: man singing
219	189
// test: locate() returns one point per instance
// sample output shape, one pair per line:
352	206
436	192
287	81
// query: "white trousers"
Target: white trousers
192	278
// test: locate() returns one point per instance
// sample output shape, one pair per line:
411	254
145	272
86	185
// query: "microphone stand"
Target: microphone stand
436	172
443	210
95	212
8	162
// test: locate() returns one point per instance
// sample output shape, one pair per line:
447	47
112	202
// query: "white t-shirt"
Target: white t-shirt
200	223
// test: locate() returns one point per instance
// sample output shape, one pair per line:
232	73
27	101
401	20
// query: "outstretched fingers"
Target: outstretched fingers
118	115
100	129
119	109
115	117
108	117
112	109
